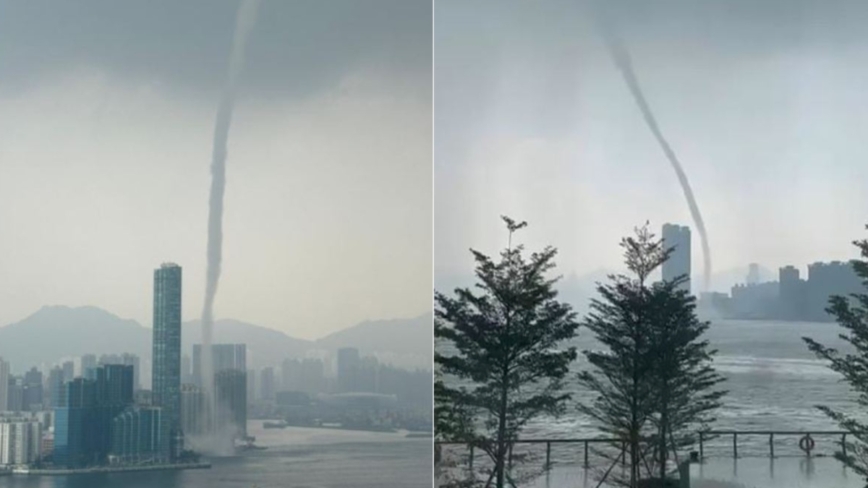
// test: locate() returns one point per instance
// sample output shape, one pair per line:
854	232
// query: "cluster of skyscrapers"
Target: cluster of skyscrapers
97	413
101	416
790	298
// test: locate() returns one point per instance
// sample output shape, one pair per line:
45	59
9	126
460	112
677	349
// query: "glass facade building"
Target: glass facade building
136	436
166	356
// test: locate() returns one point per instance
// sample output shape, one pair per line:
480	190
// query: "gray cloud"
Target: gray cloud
298	47
106	123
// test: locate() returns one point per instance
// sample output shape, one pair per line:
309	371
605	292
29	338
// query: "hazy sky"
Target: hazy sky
764	102
106	119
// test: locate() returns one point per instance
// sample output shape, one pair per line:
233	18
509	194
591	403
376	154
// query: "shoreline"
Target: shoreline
389	430
106	469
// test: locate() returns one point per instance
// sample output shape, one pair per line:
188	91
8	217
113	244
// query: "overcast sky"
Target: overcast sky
764	102
106	118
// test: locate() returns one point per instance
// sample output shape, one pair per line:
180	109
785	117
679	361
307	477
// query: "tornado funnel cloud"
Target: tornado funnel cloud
244	21
622	60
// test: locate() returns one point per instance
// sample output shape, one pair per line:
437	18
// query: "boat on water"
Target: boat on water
249	444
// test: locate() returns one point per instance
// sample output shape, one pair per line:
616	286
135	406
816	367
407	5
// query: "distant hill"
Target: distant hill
403	342
265	347
56	332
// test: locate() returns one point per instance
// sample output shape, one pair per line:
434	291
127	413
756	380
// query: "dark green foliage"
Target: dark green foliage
508	363
654	380
684	379
851	313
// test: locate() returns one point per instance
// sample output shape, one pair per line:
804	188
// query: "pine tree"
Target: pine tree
507	341
851	313
685	381
654	380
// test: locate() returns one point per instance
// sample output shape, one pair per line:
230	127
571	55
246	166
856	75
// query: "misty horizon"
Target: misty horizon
196	320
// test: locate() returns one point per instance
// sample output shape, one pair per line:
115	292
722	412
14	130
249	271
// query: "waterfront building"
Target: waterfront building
20	441
136	436
230	388
192	409
166	356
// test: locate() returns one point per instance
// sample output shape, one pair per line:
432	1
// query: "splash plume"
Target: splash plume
244	22
622	60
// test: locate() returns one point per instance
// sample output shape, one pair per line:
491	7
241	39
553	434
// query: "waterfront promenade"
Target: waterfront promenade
107	469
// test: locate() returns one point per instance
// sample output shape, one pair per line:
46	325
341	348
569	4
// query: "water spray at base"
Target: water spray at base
621	57
244	22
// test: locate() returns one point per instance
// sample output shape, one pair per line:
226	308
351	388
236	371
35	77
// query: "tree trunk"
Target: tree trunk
501	433
663	453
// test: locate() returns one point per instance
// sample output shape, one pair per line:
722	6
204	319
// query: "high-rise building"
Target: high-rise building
68	371
20	441
192	410
791	293
186	369
84	418
114	383
223	357
166	356
753	274
251	385
4	385
88	365
267	384
31	390
290	375
136	436
73	424
677	237
125	359
348	368
230	388
54	386
15	394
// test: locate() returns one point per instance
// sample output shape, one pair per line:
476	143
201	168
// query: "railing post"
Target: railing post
471	457
586	455
735	445
701	450
844	444
548	454
510	456
772	445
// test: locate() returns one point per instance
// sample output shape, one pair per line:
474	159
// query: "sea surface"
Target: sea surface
774	383
296	457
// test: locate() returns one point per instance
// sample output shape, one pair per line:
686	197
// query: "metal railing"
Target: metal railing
806	442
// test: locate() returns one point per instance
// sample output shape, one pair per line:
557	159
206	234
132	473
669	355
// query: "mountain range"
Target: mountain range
55	332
